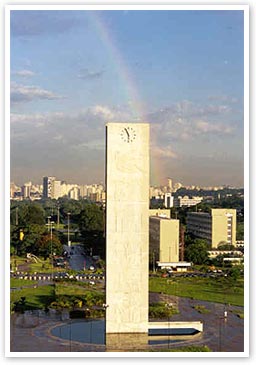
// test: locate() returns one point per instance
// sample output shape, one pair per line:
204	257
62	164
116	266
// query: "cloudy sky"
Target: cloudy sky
181	71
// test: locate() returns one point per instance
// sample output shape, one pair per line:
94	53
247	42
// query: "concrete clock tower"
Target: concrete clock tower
127	227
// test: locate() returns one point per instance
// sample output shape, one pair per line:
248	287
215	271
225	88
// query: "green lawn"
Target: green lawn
71	289
17	283
40	266
220	290
38	297
44	267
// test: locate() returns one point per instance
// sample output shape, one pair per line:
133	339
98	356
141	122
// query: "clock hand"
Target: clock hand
128	135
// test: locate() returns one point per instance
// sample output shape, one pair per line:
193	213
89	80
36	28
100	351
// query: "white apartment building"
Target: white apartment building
186	201
74	193
57	191
26	190
168	200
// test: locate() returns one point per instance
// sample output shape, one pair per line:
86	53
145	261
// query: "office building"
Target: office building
164	239
127	227
217	227
48	186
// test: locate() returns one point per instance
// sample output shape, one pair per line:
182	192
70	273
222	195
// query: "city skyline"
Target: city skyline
74	71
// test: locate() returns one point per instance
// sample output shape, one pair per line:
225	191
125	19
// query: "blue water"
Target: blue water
82	331
172	331
93	331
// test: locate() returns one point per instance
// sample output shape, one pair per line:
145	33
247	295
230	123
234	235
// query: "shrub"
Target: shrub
201	309
162	310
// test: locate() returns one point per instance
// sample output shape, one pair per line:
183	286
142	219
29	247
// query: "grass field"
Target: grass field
17	283
32	266
73	289
220	290
38	297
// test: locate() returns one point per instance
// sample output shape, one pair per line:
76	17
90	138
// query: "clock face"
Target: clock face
128	134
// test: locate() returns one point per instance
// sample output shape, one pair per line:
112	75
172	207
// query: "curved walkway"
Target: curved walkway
33	334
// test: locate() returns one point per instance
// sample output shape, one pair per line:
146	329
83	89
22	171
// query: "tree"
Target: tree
91	225
48	245
234	273
224	246
31	234
197	252
240	231
91	220
27	213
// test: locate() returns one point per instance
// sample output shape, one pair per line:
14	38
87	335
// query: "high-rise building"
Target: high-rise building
217	227
57	189
168	200
83	191
74	193
170	184
26	190
12	190
48	186
127	224
164	239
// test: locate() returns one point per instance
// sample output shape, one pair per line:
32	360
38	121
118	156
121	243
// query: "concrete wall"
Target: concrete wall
127	227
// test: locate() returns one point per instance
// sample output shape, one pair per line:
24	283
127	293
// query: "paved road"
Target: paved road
78	261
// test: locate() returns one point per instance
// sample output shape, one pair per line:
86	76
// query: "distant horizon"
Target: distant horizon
181	71
103	183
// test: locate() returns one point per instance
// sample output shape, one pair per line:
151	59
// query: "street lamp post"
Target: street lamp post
50	227
105	306
69	243
16	216
168	306
48	223
58	216
222	324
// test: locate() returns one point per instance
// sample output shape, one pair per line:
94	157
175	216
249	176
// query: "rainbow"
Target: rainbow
130	90
131	93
